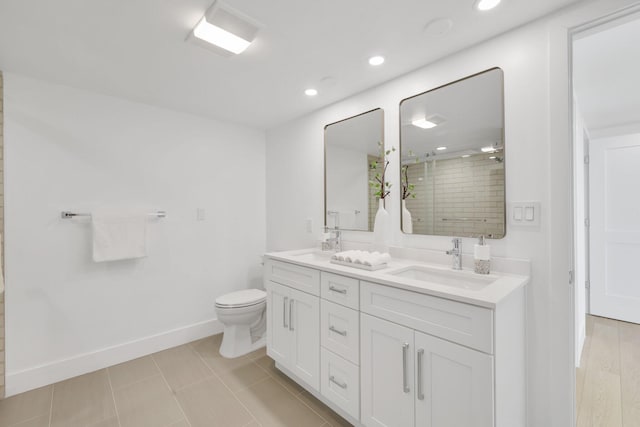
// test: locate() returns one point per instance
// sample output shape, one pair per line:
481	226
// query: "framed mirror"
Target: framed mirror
452	153
350	147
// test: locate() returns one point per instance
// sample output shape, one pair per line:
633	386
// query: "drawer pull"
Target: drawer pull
405	354
284	312
337	290
338	383
338	331
420	385
291	315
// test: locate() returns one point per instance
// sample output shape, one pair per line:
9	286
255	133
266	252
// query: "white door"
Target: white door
278	335
615	227
304	322
386	373
454	384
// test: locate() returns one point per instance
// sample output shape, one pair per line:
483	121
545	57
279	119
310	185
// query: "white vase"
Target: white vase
381	229
407	223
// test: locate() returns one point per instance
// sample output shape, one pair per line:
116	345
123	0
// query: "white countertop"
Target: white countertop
489	296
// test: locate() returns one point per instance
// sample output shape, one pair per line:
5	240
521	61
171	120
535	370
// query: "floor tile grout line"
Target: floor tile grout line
175	398
53	388
277	380
113	397
228	388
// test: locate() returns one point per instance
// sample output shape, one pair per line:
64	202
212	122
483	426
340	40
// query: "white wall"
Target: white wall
68	149
535	61
348	176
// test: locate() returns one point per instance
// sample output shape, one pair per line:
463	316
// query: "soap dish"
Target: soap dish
360	266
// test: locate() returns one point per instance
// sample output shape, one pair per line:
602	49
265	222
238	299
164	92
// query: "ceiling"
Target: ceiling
606	70
136	49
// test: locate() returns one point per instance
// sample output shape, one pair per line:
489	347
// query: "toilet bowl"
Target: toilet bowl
243	315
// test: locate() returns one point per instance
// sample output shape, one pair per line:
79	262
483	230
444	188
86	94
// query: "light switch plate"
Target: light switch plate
525	214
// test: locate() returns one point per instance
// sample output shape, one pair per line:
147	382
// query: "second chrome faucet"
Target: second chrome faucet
456	253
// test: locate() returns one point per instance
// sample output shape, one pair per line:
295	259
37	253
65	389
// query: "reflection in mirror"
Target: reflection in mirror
351	146
452	153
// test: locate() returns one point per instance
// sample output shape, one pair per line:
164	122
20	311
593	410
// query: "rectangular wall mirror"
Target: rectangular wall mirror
350	147
452	154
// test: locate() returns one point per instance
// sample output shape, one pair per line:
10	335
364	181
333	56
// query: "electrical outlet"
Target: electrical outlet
309	224
201	214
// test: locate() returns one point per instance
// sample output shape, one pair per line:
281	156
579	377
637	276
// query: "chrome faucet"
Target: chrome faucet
456	251
334	242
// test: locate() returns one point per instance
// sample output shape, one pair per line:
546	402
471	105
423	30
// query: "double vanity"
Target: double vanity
413	344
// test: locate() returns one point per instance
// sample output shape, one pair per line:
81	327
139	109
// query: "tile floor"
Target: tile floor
608	379
190	385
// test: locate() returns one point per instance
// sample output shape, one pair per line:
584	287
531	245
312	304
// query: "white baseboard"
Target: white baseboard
39	376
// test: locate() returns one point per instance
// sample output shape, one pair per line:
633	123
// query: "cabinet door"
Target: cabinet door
386	373
279	338
304	318
454	384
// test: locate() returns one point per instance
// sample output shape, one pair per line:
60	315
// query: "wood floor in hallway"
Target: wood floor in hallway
608	379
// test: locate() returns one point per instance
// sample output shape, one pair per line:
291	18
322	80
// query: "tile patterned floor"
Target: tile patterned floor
608	379
186	386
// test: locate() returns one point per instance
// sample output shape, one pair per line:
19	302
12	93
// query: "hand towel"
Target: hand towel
118	236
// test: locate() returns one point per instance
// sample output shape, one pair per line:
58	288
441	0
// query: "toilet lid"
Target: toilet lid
242	298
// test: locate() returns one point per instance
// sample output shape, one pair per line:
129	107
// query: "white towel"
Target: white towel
118	236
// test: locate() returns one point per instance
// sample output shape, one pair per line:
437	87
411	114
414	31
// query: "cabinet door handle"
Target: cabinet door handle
338	383
284	313
338	331
405	355
420	385
291	315
340	291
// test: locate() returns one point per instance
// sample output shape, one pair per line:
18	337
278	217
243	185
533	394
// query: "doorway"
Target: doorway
606	159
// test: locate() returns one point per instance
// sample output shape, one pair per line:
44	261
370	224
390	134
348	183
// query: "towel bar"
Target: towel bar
67	214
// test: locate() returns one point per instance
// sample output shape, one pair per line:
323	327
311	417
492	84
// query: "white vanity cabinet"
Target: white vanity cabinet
293	320
393	355
414	379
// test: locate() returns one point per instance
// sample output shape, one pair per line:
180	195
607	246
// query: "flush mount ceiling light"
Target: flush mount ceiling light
424	123
224	30
376	60
484	5
311	92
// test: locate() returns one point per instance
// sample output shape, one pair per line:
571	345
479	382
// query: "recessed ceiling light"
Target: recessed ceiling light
219	37
311	92
464	156
441	148
424	124
492	157
488	149
484	5
376	60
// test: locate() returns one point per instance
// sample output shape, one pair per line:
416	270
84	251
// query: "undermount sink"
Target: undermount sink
314	256
457	279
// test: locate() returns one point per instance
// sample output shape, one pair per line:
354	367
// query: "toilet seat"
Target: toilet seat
244	298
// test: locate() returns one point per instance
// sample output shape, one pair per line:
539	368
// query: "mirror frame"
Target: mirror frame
324	178
504	149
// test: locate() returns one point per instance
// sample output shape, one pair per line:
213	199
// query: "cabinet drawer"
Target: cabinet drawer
462	323
340	382
340	289
340	330
295	276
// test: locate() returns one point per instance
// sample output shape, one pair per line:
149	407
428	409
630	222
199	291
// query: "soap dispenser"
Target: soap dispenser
482	257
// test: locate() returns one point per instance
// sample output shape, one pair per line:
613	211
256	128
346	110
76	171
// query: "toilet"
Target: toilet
243	314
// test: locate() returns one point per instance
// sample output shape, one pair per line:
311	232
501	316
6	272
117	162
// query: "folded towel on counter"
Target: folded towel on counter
117	236
371	259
